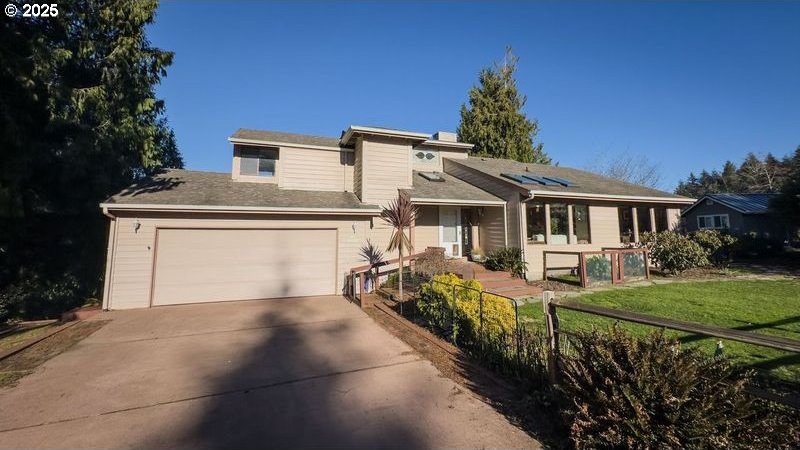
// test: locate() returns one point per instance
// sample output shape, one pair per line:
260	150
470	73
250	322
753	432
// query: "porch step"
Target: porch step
491	275
503	282
516	292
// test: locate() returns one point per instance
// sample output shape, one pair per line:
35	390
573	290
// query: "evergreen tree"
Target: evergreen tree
78	121
788	203
494	120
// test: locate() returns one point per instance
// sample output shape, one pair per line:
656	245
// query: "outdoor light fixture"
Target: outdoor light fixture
136	226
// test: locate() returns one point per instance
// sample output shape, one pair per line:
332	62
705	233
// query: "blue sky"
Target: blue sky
687	84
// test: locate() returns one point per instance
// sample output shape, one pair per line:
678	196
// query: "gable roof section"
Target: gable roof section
451	190
245	135
582	183
743	203
176	189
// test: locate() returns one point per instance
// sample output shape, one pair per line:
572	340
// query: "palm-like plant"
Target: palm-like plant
373	255
400	214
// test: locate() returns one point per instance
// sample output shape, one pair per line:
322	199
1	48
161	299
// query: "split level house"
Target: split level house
290	217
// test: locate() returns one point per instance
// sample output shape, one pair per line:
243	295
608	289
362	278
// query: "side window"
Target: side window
536	222
258	162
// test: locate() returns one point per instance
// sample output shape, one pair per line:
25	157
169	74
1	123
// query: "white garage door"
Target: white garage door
198	265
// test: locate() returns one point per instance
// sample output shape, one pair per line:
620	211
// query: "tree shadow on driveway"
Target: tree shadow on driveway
306	385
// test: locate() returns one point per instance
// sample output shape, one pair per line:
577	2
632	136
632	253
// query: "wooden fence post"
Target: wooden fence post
551	327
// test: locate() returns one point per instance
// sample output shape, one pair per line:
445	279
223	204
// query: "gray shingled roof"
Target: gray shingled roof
744	203
185	187
450	189
585	182
279	136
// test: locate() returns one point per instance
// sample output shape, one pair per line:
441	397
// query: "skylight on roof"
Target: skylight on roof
525	178
431	176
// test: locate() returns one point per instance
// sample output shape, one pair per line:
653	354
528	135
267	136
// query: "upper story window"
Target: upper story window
258	162
713	222
425	156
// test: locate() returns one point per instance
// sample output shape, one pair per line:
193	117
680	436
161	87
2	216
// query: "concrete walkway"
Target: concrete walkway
289	373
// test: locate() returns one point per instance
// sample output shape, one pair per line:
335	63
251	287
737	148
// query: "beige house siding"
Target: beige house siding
508	193
491	229
314	170
436	165
426	230
386	167
132	261
309	169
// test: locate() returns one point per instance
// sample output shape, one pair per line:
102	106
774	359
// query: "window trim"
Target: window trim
706	217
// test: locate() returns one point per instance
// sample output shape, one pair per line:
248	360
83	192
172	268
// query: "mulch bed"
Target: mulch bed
507	396
20	364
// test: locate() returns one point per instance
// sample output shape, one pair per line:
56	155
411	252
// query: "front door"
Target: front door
450	230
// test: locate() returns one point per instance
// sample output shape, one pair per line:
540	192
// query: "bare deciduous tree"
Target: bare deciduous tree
636	169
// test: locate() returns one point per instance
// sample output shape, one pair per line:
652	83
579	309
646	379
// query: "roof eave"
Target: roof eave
267	143
454	201
354	130
107	207
587	196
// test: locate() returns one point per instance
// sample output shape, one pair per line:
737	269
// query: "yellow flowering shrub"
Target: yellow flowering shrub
462	313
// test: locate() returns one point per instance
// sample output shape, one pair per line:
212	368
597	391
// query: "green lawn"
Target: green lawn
761	306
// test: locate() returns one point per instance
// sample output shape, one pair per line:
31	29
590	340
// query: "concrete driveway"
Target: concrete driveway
292	373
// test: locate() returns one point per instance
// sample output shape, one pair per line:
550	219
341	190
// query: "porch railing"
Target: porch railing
356	280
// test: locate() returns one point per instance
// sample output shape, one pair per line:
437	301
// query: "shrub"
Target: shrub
749	245
508	259
674	252
627	392
598	268
717	245
462	313
431	262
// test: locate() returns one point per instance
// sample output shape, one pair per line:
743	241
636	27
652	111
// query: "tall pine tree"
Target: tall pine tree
494	120
79	120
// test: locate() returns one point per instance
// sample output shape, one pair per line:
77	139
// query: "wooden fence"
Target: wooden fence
553	332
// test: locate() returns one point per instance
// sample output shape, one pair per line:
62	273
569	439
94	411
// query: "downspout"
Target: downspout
112	241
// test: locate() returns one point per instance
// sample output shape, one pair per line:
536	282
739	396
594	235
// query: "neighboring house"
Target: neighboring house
291	216
740	214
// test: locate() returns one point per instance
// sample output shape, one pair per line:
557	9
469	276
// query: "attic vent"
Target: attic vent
534	179
431	176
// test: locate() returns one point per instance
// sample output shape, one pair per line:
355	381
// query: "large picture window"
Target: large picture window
580	224
625	224
643	219
536	223
662	223
257	162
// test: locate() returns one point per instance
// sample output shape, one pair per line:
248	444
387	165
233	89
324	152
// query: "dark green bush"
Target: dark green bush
752	246
717	245
646	393
35	298
508	259
674	252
